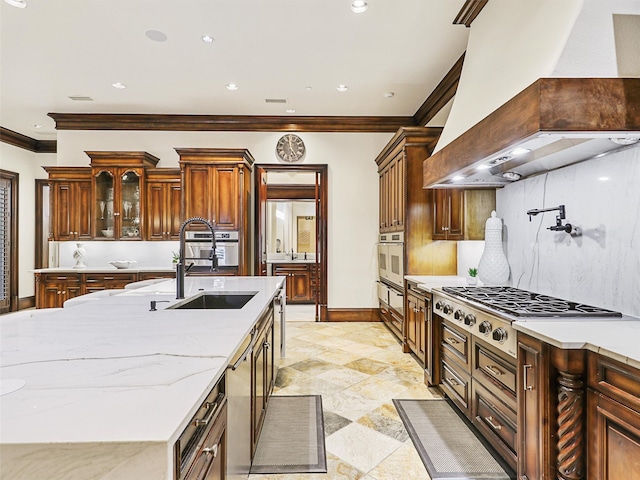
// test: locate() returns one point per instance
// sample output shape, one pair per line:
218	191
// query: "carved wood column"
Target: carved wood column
570	462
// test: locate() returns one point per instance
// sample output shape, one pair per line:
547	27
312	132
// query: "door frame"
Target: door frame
321	194
12	300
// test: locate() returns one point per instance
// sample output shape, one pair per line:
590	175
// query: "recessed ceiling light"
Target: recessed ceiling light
207	38
232	86
389	94
308	89
484	166
519	151
290	110
156	35
359	6
35	125
342	88
603	179
119	86
17	3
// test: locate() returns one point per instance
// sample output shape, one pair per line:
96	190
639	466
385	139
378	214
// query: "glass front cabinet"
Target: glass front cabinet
118	193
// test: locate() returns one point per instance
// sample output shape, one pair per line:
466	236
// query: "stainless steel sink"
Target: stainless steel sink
215	301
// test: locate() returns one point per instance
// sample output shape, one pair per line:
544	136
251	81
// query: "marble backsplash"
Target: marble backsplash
100	253
602	265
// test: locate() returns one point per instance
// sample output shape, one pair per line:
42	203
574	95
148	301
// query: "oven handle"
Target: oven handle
213	407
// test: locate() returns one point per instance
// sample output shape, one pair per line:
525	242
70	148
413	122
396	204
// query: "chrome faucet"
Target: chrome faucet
180	270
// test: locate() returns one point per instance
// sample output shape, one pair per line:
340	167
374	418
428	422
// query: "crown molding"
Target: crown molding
22	141
238	123
469	12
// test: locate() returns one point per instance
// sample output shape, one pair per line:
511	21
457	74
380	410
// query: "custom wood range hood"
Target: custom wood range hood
552	123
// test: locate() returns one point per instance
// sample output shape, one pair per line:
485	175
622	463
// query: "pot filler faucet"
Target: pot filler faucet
558	227
180	269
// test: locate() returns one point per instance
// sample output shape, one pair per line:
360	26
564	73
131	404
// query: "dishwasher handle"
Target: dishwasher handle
244	355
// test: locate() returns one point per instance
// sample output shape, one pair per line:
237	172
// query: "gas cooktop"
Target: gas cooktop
522	303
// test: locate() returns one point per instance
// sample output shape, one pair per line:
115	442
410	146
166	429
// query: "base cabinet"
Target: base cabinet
301	281
263	375
420	333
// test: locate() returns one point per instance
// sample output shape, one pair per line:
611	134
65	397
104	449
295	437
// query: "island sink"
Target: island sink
215	300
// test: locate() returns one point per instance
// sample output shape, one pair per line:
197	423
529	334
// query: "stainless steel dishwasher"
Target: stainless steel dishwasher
239	412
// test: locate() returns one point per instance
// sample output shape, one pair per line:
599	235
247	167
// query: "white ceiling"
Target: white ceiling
54	49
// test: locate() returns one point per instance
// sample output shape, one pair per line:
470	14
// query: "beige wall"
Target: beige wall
28	166
353	189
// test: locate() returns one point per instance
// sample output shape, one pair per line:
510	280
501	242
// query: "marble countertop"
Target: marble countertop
105	269
112	371
429	282
616	339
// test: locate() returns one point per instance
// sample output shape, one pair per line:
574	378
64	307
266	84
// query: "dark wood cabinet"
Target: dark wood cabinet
94	282
448	214
210	462
163	203
301	281
263	375
70	203
533	390
53	289
419	327
392	192
216	185
613	420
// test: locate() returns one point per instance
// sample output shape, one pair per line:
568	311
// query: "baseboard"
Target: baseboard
26	302
352	315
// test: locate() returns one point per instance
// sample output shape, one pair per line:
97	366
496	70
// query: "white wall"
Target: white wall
28	165
602	266
353	189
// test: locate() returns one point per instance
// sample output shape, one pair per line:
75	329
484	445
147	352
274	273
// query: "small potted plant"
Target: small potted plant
175	259
472	279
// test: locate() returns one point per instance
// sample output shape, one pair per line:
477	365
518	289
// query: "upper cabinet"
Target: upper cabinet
70	203
164	196
118	186
448	214
216	185
392	194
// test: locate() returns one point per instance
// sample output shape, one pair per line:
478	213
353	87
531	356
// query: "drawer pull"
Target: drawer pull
213	451
525	380
493	425
493	370
453	381
451	341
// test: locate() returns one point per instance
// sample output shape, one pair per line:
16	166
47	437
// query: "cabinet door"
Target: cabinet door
411	322
82	209
198	191
70	206
614	444
533	415
174	216
258	397
456	214
400	191
300	285
156	211
440	215
225	192
421	326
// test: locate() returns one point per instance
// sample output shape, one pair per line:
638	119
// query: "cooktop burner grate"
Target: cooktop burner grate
523	303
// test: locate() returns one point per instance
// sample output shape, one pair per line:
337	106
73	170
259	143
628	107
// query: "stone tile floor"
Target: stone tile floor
357	368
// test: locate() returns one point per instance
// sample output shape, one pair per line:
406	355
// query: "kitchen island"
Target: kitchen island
103	389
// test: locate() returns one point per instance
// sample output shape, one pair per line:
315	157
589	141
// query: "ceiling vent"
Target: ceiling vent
275	100
80	98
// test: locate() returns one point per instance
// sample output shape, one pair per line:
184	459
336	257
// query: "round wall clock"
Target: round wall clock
290	148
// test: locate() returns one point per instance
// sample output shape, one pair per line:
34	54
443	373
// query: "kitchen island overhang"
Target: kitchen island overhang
110	385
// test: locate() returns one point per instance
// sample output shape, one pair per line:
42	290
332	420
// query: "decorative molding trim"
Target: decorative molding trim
238	123
570	426
353	315
469	12
22	141
26	302
291	192
441	95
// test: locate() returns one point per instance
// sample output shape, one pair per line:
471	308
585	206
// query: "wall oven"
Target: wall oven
226	248
391	258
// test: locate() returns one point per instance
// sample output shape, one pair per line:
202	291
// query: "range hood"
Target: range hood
553	123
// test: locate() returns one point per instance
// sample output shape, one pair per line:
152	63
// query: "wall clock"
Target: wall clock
290	148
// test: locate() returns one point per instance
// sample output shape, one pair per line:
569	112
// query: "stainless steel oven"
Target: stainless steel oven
391	258
226	248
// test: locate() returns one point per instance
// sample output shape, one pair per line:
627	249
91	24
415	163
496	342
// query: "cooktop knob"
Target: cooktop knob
439	305
500	335
447	309
485	327
459	315
470	320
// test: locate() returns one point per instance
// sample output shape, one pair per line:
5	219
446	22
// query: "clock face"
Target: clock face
290	148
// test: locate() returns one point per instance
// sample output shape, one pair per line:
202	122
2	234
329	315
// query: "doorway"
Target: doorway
291	224
8	241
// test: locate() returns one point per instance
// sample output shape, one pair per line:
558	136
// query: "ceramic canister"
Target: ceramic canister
493	268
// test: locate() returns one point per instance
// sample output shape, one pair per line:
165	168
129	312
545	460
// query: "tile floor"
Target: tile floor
357	368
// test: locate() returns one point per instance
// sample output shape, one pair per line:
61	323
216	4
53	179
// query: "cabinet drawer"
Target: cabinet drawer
614	379
61	277
490	365
457	385
496	421
456	342
111	280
